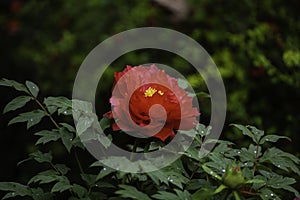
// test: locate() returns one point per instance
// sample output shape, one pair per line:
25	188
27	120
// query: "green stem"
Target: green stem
53	166
58	127
124	179
194	172
131	157
225	195
134	148
256	159
46	111
236	195
78	162
248	193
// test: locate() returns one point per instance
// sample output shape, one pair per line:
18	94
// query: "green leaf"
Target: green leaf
281	159
158	176
272	138
257	133
102	184
90	179
47	136
61	104
104	172
33	88
62	185
195	184
131	192
104	140
67	138
182	195
202	130
258	185
224	148
39	194
101	195
291	189
203	194
246	132
68	127
249	155
283	183
16	189
16	103
83	124
79	190
121	162
267	194
77	143
220	189
192	153
203	94
257	181
254	133
62	168
173	174
217	141
279	182
211	172
105	123
81	107
11	83
163	195
41	157
218	162
32	118
44	177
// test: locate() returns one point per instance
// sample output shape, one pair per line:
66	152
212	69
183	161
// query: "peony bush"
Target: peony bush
259	170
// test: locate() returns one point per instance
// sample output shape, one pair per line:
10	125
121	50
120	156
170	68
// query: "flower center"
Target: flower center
151	91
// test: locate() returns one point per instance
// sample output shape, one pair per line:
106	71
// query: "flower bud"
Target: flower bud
233	176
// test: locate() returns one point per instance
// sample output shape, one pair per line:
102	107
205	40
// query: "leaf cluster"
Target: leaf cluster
230	171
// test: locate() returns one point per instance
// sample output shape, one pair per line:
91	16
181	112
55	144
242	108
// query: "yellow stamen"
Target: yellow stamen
160	92
150	92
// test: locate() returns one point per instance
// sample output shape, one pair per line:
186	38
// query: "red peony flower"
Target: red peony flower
142	88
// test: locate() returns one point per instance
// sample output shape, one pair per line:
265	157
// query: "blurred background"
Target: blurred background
255	44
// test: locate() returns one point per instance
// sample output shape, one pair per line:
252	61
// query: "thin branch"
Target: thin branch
256	159
58	127
47	112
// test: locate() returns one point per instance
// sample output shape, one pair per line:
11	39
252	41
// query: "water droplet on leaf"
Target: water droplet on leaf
170	179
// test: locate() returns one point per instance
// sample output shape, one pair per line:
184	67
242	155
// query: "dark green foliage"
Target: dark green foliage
255	45
256	171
